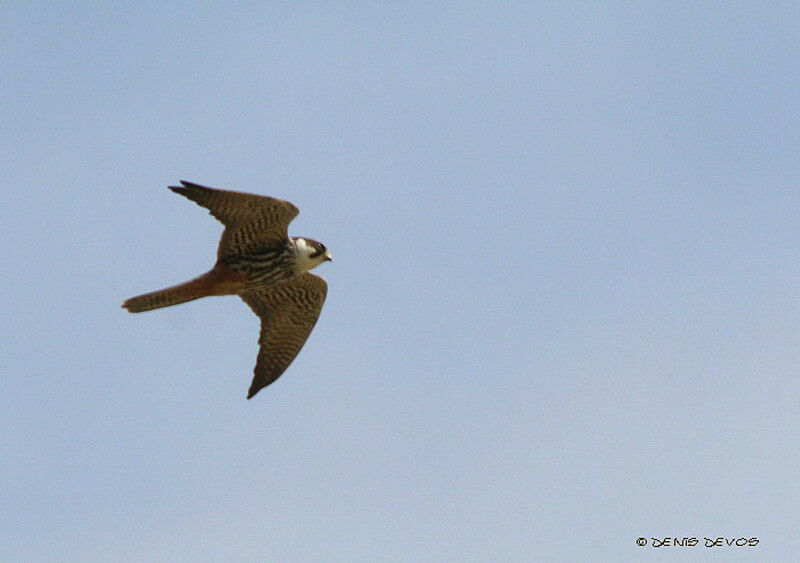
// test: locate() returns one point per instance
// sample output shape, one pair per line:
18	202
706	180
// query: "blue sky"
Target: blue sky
563	312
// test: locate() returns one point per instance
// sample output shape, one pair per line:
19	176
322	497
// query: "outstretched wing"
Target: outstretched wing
251	221
288	311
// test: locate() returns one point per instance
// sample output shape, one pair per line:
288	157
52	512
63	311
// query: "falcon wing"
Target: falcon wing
251	221
288	311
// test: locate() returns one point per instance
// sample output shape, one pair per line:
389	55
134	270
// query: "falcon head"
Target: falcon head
311	253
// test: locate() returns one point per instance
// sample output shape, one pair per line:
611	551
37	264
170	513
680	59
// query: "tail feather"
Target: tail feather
219	281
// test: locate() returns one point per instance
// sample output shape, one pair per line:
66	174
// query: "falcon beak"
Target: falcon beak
328	257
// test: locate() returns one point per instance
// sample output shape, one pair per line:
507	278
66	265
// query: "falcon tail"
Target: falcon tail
219	281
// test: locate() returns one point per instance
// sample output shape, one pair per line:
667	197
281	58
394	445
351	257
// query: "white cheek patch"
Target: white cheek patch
304	249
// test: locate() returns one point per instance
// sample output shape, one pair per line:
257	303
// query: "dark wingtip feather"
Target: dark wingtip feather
185	186
193	185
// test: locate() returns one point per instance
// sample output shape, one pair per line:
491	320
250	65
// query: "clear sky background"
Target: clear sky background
564	310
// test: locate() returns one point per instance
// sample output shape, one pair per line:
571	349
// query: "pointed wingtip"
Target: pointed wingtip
183	186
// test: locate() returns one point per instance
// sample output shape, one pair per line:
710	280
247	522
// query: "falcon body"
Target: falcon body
257	261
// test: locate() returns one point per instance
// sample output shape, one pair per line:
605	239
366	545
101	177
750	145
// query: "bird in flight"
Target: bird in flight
259	262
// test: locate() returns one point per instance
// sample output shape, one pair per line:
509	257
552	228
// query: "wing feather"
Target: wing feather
251	221
288	313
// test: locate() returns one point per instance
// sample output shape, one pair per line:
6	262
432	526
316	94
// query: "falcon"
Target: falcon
259	262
